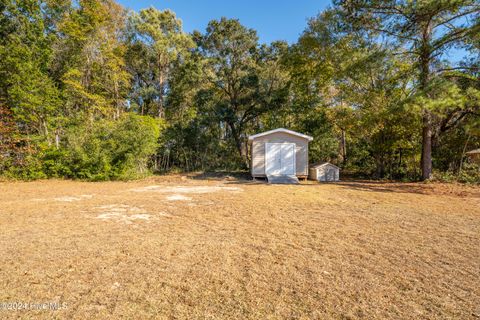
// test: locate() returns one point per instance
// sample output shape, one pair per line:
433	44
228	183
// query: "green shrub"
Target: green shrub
470	173
118	149
29	169
106	149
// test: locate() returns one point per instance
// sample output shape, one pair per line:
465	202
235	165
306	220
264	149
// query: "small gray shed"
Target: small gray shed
279	152
474	155
324	171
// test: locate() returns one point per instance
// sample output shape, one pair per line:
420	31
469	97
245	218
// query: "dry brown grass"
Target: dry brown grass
344	251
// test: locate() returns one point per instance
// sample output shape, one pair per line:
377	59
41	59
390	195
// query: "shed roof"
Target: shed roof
321	164
304	136
474	151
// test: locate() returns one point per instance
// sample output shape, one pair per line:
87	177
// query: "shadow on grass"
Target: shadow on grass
237	177
240	178
244	178
387	187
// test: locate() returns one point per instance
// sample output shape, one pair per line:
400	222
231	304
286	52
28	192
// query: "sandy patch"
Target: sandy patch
67	198
116	285
123	217
123	213
187	189
178	197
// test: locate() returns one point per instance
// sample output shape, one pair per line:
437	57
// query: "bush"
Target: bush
29	169
112	149
470	173
104	150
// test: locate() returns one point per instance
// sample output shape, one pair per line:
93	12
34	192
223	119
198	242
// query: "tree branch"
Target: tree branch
393	34
462	14
458	68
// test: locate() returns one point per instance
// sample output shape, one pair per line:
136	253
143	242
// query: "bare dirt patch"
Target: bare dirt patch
178	197
75	198
186	189
228	249
122	213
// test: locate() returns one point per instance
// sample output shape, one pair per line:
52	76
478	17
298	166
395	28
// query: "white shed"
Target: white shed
324	171
279	152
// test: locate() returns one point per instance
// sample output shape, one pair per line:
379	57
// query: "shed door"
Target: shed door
280	158
330	173
288	159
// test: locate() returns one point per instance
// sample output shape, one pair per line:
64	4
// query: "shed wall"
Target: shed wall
475	157
320	173
258	152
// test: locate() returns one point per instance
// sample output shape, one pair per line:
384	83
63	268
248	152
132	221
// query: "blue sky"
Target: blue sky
273	20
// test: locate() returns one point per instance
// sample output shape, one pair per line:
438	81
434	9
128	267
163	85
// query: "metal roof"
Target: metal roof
321	164
251	138
474	151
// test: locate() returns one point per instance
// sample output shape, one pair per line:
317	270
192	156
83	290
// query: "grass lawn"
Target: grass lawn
186	248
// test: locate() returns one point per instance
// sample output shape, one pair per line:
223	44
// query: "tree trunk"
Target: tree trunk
344	147
426	159
117	102
162	83
45	131
399	166
239	145
161	105
57	138
380	169
427	117
464	152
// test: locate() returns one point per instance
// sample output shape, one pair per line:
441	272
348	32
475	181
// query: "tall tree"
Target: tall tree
245	80
424	30
25	55
89	59
359	85
316	63
158	42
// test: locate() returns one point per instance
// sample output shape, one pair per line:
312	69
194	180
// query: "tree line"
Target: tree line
91	90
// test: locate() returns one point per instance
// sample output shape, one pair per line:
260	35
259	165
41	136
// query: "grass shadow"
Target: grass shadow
237	177
388	187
